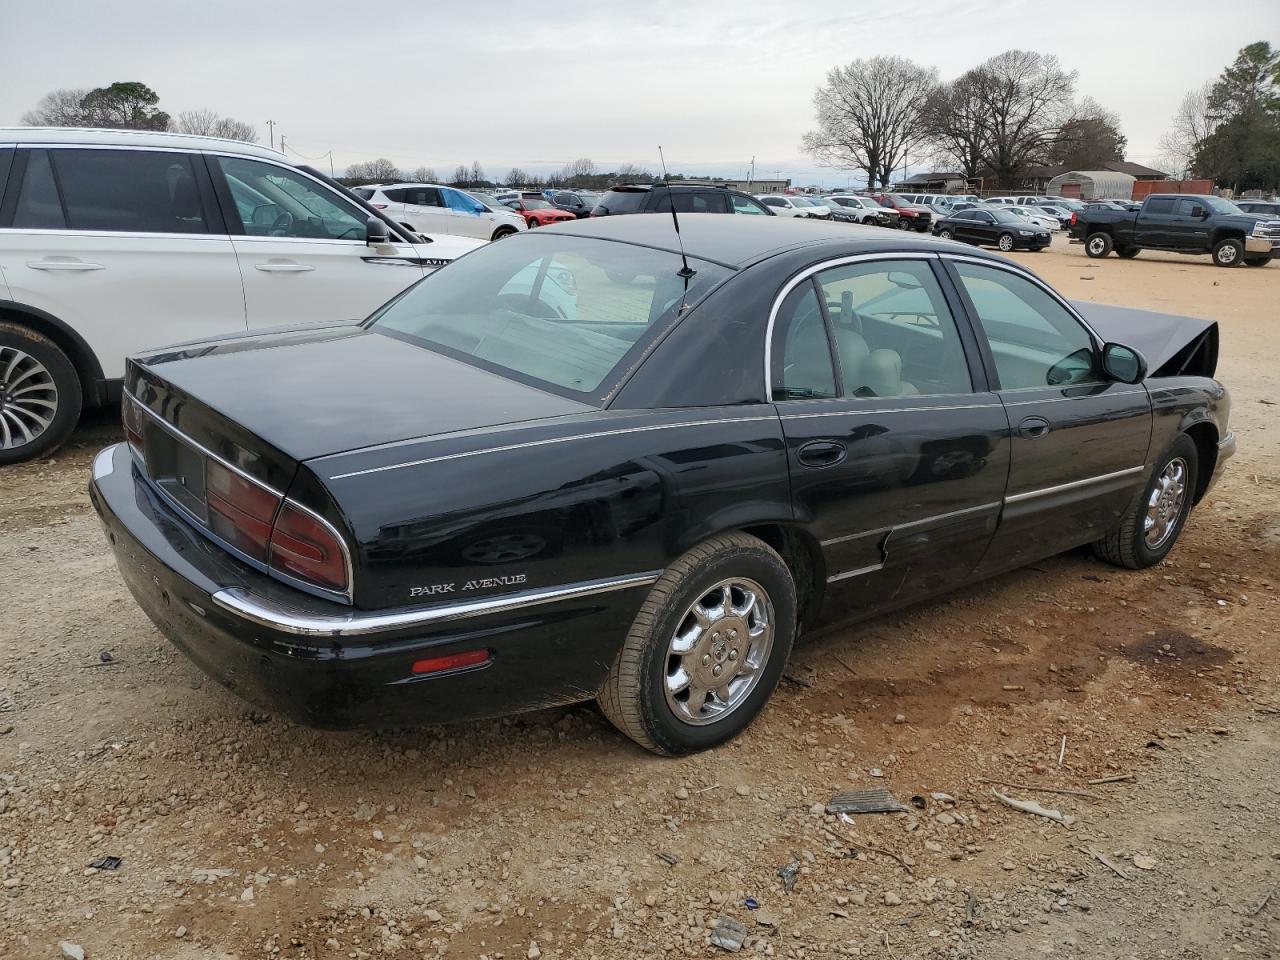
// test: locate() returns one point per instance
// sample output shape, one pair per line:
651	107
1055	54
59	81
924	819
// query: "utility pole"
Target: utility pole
282	143
271	128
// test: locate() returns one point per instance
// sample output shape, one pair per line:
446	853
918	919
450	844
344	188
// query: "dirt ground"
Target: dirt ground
549	835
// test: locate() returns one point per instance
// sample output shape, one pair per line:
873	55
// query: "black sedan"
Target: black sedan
993	227
585	463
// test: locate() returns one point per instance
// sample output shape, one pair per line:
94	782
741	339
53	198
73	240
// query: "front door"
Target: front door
124	246
302	251
1079	442
898	461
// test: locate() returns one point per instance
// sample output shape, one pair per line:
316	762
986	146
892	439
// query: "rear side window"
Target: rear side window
1160	205
688	202
623	201
802	368
134	191
38	206
423	197
6	161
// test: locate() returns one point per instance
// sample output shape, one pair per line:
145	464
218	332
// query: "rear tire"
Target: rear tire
1152	524
502	232
1127	253
1228	253
1098	245
40	396
946	235
641	696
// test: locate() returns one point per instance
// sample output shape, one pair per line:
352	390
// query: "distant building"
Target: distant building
1092	185
1036	179
938	181
746	186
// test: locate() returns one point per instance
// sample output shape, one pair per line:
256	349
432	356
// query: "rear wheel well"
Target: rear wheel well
1205	437
86	364
803	557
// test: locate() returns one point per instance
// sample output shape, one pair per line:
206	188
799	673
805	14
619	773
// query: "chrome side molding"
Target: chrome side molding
287	618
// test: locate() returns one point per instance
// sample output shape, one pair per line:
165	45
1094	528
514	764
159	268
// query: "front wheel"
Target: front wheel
904	223
1228	253
1151	526
40	394
706	649
1005	243
1098	245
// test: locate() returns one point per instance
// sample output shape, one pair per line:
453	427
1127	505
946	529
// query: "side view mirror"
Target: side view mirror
376	232
1123	364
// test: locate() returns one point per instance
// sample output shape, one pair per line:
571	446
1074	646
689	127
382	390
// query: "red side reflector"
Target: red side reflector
454	661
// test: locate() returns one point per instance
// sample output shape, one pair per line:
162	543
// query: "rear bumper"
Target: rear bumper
327	665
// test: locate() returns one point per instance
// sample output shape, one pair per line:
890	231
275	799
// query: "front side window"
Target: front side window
287	203
459	202
744	204
1034	340
893	332
130	191
565	313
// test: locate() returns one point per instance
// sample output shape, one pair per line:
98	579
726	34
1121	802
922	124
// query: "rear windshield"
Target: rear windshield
564	313
623	201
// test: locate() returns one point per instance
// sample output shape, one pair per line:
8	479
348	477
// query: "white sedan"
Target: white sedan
784	206
1041	219
429	208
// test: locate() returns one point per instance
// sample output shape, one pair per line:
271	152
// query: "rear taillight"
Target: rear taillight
131	414
303	545
240	511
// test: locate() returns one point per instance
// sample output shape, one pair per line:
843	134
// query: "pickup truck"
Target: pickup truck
1181	223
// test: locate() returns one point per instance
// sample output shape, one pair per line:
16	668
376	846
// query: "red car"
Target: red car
912	216
538	213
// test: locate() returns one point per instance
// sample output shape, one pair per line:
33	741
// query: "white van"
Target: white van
116	241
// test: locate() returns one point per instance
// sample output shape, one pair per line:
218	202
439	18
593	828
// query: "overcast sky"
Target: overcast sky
536	85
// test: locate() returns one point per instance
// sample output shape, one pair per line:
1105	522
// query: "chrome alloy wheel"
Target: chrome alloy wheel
1165	504
1097	245
719	650
1006	242
28	398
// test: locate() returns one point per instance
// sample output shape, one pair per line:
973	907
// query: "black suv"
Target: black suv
688	198
578	203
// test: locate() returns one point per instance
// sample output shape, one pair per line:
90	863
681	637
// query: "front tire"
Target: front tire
904	223
1228	253
1005	242
40	395
696	668
1151	526
946	235
1098	245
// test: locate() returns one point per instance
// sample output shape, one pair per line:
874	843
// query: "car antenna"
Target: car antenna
686	271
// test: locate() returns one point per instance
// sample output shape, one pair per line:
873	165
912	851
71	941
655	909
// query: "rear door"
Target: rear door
425	208
301	246
898	454
125	246
1152	223
1079	441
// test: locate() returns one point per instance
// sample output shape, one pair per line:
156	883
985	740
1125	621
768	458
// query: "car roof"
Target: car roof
737	241
89	136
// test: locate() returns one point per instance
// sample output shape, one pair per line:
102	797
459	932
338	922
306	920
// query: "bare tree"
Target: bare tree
58	108
517	177
477	174
207	123
423	175
952	119
869	115
1193	122
1088	139
125	105
578	172
1024	99
381	170
633	173
461	175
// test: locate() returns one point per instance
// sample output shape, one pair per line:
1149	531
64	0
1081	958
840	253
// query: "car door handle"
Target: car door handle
821	453
1033	428
64	265
283	267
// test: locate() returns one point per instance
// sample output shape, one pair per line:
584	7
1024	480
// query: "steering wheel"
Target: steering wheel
282	225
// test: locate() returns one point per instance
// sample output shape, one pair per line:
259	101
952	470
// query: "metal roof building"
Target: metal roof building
1092	185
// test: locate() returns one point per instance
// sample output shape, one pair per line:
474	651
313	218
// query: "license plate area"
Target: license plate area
178	470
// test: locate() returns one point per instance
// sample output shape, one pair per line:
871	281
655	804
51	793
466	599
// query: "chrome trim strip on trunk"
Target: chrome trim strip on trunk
1074	484
289	619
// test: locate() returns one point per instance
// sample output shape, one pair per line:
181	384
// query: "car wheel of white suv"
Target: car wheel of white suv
40	394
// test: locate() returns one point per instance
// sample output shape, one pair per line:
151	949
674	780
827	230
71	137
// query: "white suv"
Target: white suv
115	241
784	206
431	208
